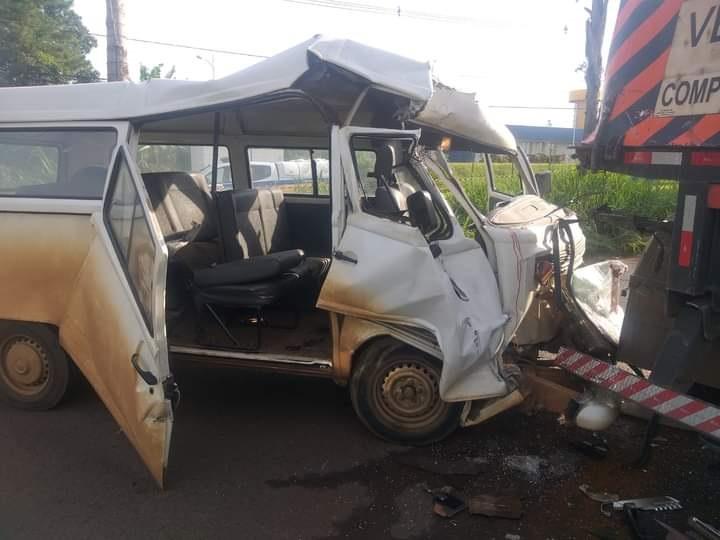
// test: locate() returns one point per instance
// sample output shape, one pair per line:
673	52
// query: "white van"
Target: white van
118	258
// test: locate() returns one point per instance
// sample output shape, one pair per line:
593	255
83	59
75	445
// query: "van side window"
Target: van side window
55	163
296	171
193	159
130	233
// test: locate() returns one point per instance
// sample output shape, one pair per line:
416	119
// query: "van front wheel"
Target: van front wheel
34	371
395	393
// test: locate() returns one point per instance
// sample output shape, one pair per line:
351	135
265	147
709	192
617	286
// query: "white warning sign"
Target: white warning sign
692	75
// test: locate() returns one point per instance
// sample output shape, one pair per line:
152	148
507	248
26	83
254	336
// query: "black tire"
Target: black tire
34	370
394	390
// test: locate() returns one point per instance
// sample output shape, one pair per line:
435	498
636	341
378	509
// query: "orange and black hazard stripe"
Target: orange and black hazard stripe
638	57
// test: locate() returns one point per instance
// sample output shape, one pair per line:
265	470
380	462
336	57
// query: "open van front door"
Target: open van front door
114	328
385	270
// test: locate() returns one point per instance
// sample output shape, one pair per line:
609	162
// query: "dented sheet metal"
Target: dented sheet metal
596	290
389	274
397	280
458	113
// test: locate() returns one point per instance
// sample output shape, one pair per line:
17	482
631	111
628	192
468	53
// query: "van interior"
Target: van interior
242	197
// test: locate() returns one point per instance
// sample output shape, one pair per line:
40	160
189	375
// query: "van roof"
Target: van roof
129	101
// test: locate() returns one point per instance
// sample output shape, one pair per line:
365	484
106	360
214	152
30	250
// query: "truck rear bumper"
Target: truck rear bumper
691	412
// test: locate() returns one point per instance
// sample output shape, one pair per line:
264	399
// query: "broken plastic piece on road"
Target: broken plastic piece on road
595	447
704	529
447	502
491	506
599	496
655	504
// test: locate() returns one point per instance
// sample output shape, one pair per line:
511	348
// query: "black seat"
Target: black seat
254	282
185	211
255	223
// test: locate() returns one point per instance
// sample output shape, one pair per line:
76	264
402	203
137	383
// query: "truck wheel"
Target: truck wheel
34	371
395	393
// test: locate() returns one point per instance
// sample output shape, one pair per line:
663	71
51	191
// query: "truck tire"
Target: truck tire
394	390
34	370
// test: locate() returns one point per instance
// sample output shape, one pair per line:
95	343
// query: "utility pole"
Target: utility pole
210	63
117	66
594	32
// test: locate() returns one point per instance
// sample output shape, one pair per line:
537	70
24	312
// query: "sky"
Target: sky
512	53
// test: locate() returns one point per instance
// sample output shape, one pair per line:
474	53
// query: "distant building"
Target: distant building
546	143
540	143
577	98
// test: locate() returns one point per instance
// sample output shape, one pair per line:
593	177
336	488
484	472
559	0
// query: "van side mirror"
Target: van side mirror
422	212
544	182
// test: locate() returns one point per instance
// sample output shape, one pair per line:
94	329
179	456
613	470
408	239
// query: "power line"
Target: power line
380	10
183	46
253	55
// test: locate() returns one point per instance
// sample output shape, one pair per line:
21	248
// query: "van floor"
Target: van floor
281	333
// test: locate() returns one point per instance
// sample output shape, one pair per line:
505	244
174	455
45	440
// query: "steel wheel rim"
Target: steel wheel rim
407	394
24	366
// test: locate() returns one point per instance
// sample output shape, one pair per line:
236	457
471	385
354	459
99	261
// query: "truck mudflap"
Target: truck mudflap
691	412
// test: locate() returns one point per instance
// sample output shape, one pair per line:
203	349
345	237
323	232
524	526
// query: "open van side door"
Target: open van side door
114	328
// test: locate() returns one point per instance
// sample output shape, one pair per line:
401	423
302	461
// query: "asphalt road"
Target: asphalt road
265	456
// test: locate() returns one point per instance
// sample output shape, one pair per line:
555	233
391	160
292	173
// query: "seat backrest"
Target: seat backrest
275	221
183	205
254	222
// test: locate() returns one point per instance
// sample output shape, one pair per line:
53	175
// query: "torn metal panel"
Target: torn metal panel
596	290
457	113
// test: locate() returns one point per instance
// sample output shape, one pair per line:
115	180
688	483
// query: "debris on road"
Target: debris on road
656	504
595	447
529	465
599	496
512	536
447	502
705	530
492	506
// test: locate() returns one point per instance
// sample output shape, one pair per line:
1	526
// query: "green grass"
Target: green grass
584	192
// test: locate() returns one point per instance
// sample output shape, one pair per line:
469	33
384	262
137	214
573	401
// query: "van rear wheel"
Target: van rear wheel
395	393
34	371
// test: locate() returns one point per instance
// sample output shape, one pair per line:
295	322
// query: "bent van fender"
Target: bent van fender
355	332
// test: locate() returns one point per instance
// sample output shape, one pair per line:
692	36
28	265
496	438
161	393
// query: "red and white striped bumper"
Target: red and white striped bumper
691	412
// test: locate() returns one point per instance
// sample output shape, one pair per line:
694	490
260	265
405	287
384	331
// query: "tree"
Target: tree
155	72
43	42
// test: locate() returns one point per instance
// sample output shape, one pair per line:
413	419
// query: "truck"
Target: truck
660	119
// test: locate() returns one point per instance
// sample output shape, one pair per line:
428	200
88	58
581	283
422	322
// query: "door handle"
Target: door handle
340	256
147	376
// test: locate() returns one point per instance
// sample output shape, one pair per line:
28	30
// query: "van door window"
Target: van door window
505	174
193	159
130	233
296	171
55	163
385	177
